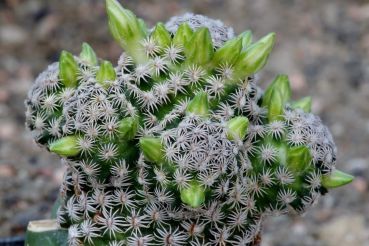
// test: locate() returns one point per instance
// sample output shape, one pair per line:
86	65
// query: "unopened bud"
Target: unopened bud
298	158
183	35
142	24
126	29
304	104
105	73
237	128
193	195
246	38
228	53
88	55
336	179
199	49
275	107
199	105
128	128
161	36
65	146
68	69
281	83
254	57
152	149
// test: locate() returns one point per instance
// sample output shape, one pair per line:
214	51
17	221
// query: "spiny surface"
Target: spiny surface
177	145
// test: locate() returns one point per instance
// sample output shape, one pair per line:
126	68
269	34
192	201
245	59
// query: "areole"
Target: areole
177	144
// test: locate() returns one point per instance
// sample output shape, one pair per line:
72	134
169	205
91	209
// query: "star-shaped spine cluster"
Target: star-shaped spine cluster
177	145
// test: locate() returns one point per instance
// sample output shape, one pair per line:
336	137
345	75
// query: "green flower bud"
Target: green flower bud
106	73
254	57
161	36
281	83
237	128
199	49
152	149
183	35
88	55
304	104
246	39
228	53
128	128
276	106
199	105
298	158
143	26
65	146
336	179
126	29
68	69
194	195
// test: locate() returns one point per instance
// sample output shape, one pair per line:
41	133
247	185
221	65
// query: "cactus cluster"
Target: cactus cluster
176	144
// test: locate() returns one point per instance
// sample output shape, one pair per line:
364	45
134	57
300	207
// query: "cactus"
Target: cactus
177	145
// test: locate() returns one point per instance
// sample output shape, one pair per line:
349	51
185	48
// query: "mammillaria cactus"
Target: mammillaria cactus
177	145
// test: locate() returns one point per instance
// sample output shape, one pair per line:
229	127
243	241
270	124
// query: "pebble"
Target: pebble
12	35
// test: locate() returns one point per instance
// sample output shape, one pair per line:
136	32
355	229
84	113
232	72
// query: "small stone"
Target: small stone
12	35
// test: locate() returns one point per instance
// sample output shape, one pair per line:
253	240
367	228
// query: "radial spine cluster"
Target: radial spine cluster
177	145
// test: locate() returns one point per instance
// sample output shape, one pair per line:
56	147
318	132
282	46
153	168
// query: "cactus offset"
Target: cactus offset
177	145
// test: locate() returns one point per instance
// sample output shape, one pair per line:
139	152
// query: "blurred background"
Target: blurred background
322	45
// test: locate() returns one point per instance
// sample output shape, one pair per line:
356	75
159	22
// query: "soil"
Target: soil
322	45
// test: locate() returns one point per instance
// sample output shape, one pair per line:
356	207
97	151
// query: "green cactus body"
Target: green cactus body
177	145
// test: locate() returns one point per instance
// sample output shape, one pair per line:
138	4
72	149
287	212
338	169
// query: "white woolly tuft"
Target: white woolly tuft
220	33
